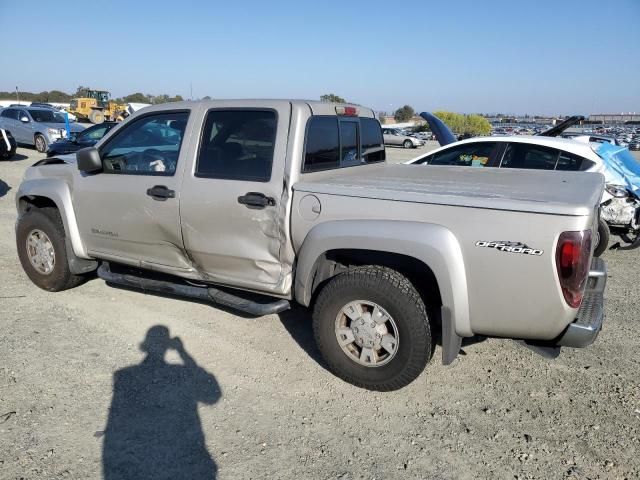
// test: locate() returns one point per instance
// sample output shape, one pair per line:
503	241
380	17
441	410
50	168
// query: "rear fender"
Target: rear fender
433	245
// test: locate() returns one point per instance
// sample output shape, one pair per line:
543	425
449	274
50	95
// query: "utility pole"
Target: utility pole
191	91
17	95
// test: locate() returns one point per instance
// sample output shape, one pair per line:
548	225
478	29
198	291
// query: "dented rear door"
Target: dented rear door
231	202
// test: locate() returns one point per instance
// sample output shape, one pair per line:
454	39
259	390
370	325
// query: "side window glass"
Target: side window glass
568	161
237	145
371	140
522	155
468	155
148	146
322	147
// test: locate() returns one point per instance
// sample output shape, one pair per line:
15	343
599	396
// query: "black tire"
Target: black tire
40	142
393	292
407	144
48	221
603	238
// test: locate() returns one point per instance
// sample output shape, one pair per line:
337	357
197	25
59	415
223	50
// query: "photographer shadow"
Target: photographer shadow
154	430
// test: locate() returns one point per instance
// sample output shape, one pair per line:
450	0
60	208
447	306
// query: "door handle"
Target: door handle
161	193
256	200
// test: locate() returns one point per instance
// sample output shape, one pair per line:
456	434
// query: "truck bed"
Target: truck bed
561	193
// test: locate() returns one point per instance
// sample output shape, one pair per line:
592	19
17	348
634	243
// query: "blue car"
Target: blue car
87	138
39	127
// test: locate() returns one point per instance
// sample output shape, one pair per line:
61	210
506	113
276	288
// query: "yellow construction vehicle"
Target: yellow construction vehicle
97	106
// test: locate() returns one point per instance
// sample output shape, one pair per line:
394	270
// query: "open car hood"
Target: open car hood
443	134
562	126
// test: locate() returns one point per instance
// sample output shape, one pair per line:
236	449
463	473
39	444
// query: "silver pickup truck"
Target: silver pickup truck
253	204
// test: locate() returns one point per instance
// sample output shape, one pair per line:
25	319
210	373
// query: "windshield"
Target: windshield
621	165
48	116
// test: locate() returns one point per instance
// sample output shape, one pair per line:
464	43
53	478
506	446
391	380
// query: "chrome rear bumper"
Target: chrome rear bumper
585	328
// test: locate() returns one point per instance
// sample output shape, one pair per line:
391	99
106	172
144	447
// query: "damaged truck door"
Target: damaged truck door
230	203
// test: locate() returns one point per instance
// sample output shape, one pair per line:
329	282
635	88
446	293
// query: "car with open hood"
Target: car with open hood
620	205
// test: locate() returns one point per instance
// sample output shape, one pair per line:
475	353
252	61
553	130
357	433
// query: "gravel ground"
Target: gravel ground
250	398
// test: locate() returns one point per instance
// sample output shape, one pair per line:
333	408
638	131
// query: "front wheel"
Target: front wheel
40	143
371	327
96	116
407	144
40	242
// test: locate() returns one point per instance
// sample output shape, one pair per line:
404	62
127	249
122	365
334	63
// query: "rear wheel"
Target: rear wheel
407	144
40	241
40	143
602	238
372	328
96	116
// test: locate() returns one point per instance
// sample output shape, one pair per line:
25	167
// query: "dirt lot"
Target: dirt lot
263	405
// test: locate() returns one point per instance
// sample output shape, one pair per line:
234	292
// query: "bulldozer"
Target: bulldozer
97	106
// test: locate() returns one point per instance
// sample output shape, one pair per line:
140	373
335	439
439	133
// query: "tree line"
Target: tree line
58	96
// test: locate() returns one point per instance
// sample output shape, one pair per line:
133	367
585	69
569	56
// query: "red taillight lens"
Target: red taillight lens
572	262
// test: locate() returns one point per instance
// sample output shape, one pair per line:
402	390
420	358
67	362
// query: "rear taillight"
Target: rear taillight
572	263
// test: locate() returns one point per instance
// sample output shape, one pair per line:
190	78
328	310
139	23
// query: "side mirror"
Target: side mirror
24	119
88	160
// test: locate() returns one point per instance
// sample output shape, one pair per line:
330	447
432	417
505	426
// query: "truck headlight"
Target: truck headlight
617	191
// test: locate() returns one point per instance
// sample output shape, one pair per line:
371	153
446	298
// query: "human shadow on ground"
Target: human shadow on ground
4	188
154	430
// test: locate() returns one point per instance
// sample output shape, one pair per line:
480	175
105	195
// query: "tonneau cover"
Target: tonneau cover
548	192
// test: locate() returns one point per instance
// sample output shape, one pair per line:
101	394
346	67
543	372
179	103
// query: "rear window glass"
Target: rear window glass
10	114
323	144
372	142
335	143
349	142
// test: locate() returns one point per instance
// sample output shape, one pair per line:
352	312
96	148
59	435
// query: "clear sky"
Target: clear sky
514	56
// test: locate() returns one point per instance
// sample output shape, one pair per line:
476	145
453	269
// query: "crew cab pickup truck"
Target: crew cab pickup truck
255	204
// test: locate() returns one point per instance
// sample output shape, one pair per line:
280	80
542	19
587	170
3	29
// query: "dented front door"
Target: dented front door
231	202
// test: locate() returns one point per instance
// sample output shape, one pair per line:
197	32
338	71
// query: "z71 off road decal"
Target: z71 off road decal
511	247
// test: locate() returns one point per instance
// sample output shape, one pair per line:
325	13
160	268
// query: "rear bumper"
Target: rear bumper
585	328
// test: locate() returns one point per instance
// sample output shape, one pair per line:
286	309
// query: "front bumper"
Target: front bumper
585	328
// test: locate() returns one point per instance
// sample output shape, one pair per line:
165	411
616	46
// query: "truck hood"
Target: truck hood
548	192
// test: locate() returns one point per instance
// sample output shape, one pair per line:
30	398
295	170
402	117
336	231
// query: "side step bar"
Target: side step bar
208	294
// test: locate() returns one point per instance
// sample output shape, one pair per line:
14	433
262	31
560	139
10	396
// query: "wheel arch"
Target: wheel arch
428	254
47	192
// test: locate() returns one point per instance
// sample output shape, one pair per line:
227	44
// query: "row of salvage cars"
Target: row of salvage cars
620	205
